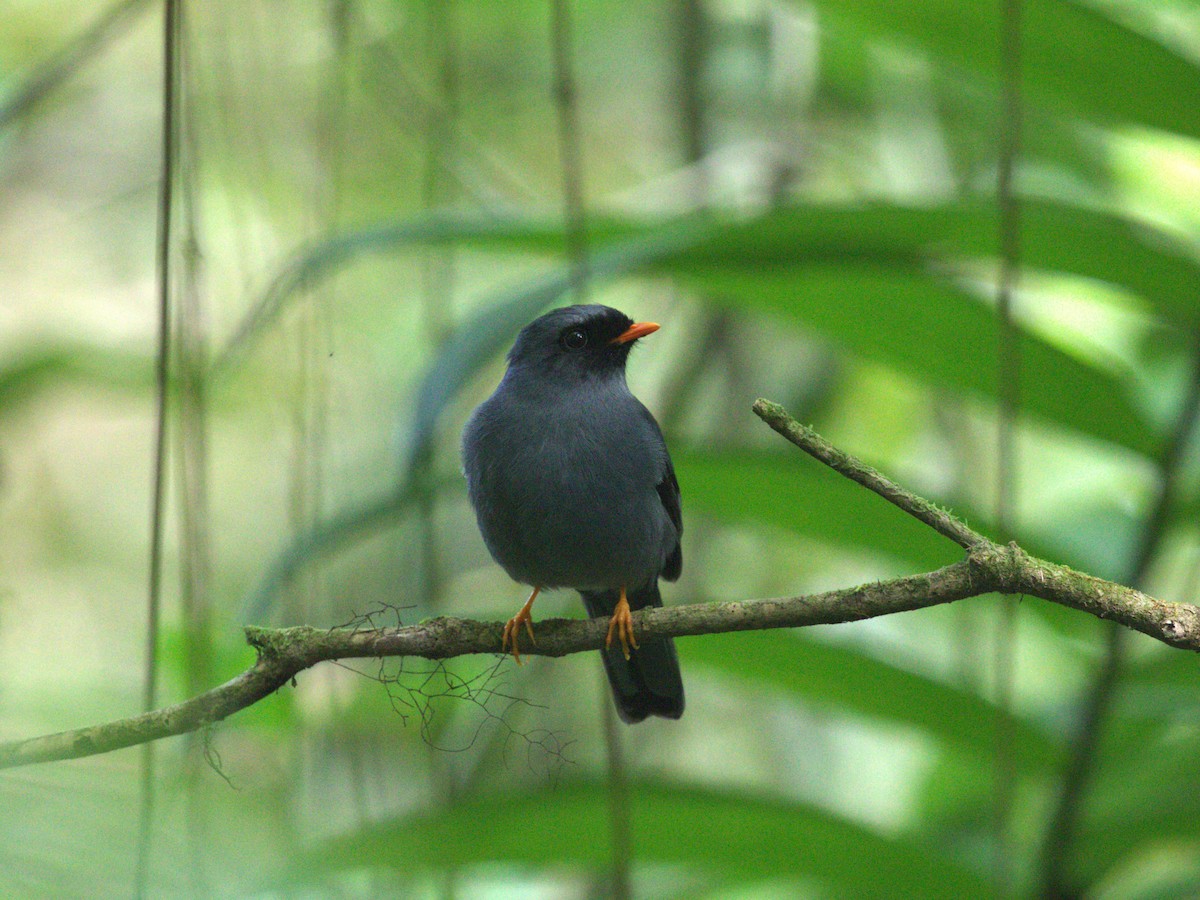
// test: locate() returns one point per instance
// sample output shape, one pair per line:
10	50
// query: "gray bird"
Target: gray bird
573	487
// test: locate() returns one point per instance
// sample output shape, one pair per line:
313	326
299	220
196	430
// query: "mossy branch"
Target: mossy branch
988	568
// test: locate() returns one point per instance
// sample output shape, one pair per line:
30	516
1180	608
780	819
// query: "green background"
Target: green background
368	206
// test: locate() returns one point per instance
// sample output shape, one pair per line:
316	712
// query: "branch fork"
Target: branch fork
987	568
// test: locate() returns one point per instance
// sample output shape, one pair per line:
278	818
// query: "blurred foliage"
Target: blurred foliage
370	207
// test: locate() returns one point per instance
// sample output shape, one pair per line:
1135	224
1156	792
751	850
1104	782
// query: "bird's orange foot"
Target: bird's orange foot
512	628
621	624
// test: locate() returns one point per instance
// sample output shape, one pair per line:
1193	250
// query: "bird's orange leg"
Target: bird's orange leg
513	627
621	623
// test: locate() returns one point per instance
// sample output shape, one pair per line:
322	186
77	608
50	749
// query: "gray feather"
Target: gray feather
573	486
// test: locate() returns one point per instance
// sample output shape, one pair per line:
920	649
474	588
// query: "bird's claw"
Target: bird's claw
512	629
621	624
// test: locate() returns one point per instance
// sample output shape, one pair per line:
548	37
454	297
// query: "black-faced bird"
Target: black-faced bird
573	488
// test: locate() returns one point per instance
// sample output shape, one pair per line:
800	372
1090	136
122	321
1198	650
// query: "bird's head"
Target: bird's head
578	342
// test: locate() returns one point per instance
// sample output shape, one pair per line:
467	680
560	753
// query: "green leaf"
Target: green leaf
872	279
318	260
792	492
735	836
788	491
847	680
319	540
1074	59
477	340
1146	797
935	335
884	308
1056	237
24	374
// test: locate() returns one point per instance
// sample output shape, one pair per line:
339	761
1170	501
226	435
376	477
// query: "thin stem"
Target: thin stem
1008	371
438	267
988	568
685	378
856	470
619	814
575	219
438	276
48	75
191	347
680	391
158	489
1063	826
567	107
284	652
191	460
692	37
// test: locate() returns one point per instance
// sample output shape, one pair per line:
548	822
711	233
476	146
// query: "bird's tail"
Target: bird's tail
648	683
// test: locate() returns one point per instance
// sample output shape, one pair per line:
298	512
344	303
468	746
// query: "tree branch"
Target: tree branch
858	471
988	568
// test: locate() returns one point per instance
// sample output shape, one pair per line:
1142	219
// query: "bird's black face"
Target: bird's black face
578	341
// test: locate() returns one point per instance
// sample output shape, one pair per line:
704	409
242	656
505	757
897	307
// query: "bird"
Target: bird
573	487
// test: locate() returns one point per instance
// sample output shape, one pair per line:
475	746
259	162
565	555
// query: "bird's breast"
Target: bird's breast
565	491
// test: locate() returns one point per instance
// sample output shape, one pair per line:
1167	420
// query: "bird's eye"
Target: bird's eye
575	339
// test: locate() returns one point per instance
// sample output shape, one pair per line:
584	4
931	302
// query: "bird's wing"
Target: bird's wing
668	493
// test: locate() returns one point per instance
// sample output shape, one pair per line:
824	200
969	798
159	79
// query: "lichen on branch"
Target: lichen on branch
987	568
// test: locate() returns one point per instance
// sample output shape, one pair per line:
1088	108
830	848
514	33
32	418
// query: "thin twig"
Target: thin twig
158	490
575	223
1063	825
439	263
439	271
693	46
620	886
988	568
285	652
567	107
856	470
1008	392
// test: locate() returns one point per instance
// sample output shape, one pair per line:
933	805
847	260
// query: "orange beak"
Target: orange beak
635	331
